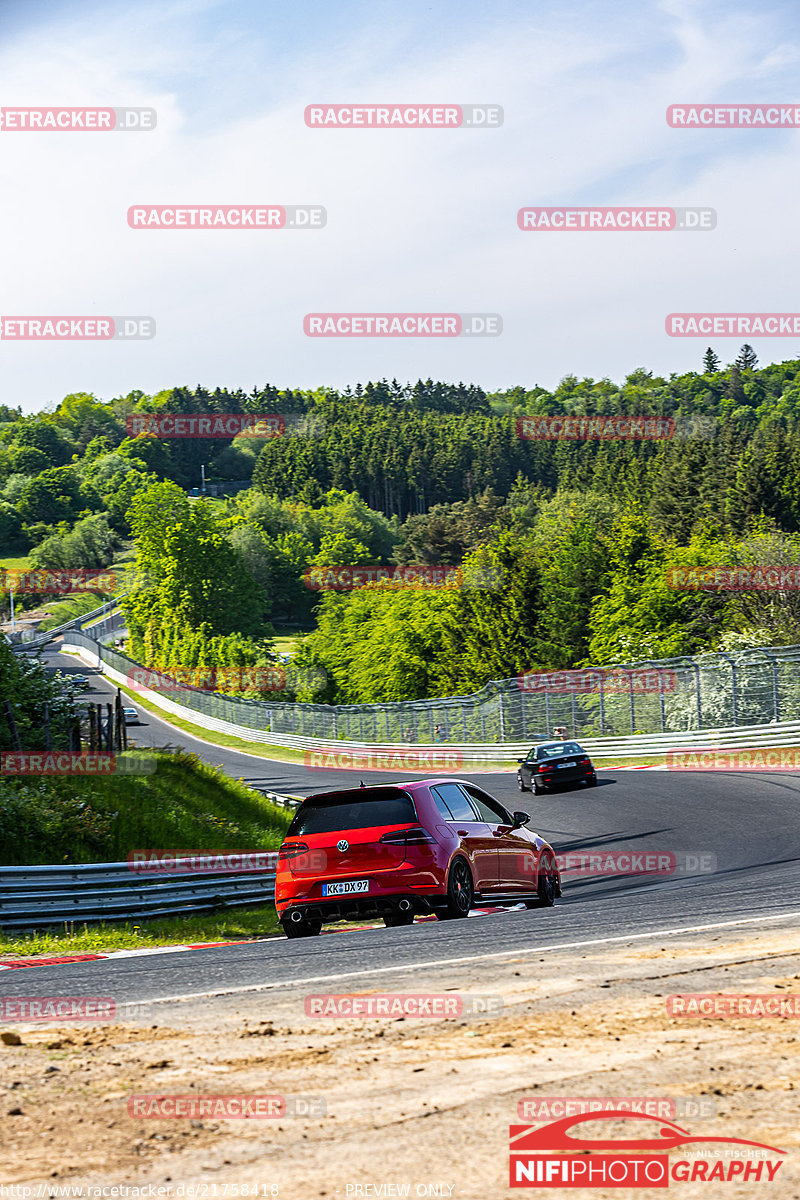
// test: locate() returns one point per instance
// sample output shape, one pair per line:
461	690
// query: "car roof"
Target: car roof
408	785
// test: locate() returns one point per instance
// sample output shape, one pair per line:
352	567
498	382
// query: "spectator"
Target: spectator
438	734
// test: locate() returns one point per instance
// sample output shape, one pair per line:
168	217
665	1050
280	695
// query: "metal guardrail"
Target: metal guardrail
58	894
19	643
55	895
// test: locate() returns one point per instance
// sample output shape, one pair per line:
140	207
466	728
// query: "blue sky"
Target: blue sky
417	220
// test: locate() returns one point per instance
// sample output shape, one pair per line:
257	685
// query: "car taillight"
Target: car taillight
584	762
292	850
546	768
408	837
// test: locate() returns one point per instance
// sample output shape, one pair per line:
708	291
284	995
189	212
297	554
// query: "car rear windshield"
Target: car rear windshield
557	749
334	811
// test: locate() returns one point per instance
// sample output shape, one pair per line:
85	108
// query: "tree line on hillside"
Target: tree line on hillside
582	533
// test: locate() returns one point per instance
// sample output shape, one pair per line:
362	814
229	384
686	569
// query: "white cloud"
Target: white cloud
416	221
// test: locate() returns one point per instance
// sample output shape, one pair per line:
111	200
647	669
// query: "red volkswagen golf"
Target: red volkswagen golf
432	846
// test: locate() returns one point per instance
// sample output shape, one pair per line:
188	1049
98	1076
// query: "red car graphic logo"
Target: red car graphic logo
538	1158
555	1135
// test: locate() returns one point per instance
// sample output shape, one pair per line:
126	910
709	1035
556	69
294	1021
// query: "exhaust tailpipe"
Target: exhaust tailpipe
296	916
404	905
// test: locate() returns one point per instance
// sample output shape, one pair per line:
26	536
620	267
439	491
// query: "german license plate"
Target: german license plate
345	889
560	766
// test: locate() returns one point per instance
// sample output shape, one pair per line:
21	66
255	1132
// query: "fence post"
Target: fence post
502	720
12	725
776	702
734	696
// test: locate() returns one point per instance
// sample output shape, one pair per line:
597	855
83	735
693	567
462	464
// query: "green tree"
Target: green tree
711	363
747	359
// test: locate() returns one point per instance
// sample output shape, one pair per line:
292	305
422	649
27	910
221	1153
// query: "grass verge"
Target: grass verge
174	802
73	606
230	926
19	562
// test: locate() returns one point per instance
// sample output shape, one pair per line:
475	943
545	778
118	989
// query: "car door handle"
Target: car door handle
462	833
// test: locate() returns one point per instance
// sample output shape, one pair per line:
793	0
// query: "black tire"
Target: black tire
592	782
460	892
521	783
392	920
537	787
547	885
308	927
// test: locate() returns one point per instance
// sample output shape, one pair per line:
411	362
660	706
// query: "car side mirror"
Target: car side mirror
520	818
521	760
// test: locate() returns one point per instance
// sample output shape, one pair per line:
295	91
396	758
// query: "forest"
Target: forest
584	536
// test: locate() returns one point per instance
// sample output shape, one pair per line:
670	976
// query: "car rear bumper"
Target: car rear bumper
556	777
360	907
385	888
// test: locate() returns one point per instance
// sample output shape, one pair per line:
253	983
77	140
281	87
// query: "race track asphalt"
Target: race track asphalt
742	828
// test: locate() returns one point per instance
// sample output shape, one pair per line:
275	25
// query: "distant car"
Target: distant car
552	764
130	716
392	851
72	683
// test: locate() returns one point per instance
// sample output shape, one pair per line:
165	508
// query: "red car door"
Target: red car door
476	836
516	856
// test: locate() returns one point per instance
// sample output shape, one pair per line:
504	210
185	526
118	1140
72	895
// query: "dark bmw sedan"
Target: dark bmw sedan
554	764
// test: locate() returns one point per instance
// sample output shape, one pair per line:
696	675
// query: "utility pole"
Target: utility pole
13	622
203	478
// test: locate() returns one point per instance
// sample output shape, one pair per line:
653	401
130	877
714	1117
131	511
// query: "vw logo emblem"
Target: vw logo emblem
342	845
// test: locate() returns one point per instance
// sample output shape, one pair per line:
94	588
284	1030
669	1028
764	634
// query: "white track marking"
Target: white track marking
448	962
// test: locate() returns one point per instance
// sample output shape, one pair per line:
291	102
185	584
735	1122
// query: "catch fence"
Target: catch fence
676	695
